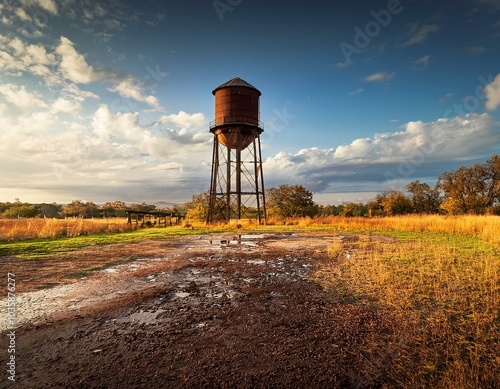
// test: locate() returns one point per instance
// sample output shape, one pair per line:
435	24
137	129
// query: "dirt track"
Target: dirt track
194	312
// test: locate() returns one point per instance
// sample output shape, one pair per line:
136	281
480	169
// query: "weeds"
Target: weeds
37	228
444	292
486	228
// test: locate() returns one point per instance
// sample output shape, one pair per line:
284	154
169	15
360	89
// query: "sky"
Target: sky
112	100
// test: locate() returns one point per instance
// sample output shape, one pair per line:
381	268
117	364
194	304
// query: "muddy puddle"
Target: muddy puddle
197	280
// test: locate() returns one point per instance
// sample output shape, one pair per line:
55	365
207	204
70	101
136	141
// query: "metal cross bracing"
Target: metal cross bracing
237	183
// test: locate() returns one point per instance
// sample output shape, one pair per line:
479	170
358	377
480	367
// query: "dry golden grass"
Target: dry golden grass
233	224
442	291
483	227
37	228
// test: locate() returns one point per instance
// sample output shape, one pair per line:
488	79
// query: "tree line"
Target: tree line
466	190
76	209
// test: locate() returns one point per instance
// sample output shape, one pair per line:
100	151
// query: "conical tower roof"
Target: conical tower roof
235	82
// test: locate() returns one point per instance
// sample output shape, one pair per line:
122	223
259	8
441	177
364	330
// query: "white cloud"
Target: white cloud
42	153
47	5
166	166
67	106
190	130
36	54
419	147
18	46
377	77
446	98
21	14
422	62
184	120
76	93
8	62
342	65
445	138
32	55
6	21
492	91
117	127
36	126
132	88
19	57
356	92
25	139
73	64
20	97
124	129
419	35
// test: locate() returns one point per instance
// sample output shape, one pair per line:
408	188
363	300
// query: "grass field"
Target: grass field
486	228
437	277
442	290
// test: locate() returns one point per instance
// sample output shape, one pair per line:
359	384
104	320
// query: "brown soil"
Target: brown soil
197	312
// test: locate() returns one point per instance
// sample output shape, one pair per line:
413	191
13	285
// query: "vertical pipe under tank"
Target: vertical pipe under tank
238	183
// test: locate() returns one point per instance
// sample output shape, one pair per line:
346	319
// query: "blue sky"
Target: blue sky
111	100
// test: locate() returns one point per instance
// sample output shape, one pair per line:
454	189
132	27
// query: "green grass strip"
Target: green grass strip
39	248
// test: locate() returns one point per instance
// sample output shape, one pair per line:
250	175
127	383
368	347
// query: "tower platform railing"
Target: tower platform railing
236	120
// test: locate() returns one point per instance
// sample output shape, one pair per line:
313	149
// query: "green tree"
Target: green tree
328	210
107	210
492	179
374	208
466	190
92	210
290	201
119	208
75	208
49	210
394	202
143	207
197	208
423	197
114	209
5	206
20	210
354	209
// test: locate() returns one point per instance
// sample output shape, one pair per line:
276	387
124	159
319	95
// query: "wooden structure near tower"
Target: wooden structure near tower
153	218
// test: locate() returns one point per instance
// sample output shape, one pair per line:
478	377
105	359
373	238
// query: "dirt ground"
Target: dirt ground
222	311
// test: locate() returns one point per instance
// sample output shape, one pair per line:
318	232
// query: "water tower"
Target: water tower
237	183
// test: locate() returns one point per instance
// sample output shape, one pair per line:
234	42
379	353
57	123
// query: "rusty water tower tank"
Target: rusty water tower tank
236	122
